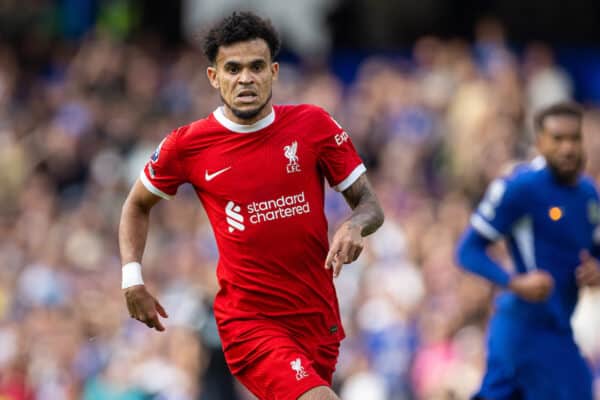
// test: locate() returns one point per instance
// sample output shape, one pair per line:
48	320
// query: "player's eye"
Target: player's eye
232	68
567	138
257	67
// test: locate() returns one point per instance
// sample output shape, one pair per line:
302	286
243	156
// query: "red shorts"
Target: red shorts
281	367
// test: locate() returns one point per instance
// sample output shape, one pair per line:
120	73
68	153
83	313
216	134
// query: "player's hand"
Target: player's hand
346	246
144	307
534	286
588	272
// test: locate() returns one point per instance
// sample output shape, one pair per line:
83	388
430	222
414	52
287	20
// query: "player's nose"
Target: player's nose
567	149
571	154
246	77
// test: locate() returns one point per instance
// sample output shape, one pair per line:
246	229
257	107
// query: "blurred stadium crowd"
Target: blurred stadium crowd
77	123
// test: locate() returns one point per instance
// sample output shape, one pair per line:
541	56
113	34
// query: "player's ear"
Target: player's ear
539	140
275	70
211	73
544	143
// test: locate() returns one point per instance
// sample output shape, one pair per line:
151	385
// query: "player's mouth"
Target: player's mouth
569	163
247	96
568	160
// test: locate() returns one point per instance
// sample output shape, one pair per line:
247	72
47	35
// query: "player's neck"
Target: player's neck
264	112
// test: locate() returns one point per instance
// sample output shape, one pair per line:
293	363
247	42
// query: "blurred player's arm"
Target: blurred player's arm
472	255
133	230
502	206
367	216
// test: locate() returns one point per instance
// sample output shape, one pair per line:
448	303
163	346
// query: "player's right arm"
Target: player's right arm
133	230
160	178
135	217
494	217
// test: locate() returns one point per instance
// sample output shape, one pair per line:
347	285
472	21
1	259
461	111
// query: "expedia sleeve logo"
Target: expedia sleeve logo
341	138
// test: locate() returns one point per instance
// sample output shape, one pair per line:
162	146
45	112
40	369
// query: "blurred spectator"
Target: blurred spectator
302	23
547	83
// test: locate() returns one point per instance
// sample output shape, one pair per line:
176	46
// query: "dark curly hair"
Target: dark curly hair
240	27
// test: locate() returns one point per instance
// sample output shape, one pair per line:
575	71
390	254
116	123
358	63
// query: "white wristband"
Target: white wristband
132	275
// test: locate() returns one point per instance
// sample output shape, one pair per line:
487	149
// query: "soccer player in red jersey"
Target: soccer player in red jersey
259	172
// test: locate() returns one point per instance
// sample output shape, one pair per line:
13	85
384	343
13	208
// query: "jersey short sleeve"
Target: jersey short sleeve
499	209
338	158
163	173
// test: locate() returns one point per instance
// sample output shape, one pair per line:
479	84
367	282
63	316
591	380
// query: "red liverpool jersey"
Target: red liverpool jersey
262	186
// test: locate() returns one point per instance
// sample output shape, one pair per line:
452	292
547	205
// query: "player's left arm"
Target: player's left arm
588	272
367	216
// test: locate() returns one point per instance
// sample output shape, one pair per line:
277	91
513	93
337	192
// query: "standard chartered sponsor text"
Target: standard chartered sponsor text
281	207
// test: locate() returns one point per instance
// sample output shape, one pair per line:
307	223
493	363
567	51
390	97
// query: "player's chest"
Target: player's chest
254	163
565	220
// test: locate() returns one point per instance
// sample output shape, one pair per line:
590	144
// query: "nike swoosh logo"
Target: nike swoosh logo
210	177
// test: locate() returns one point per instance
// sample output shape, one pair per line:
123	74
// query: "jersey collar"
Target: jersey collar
539	162
219	115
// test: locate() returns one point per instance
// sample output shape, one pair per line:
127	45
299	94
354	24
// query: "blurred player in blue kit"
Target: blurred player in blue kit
548	213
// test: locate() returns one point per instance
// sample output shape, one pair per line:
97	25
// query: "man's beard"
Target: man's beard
248	114
567	177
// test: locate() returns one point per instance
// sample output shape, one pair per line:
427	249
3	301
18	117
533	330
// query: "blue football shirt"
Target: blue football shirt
547	225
